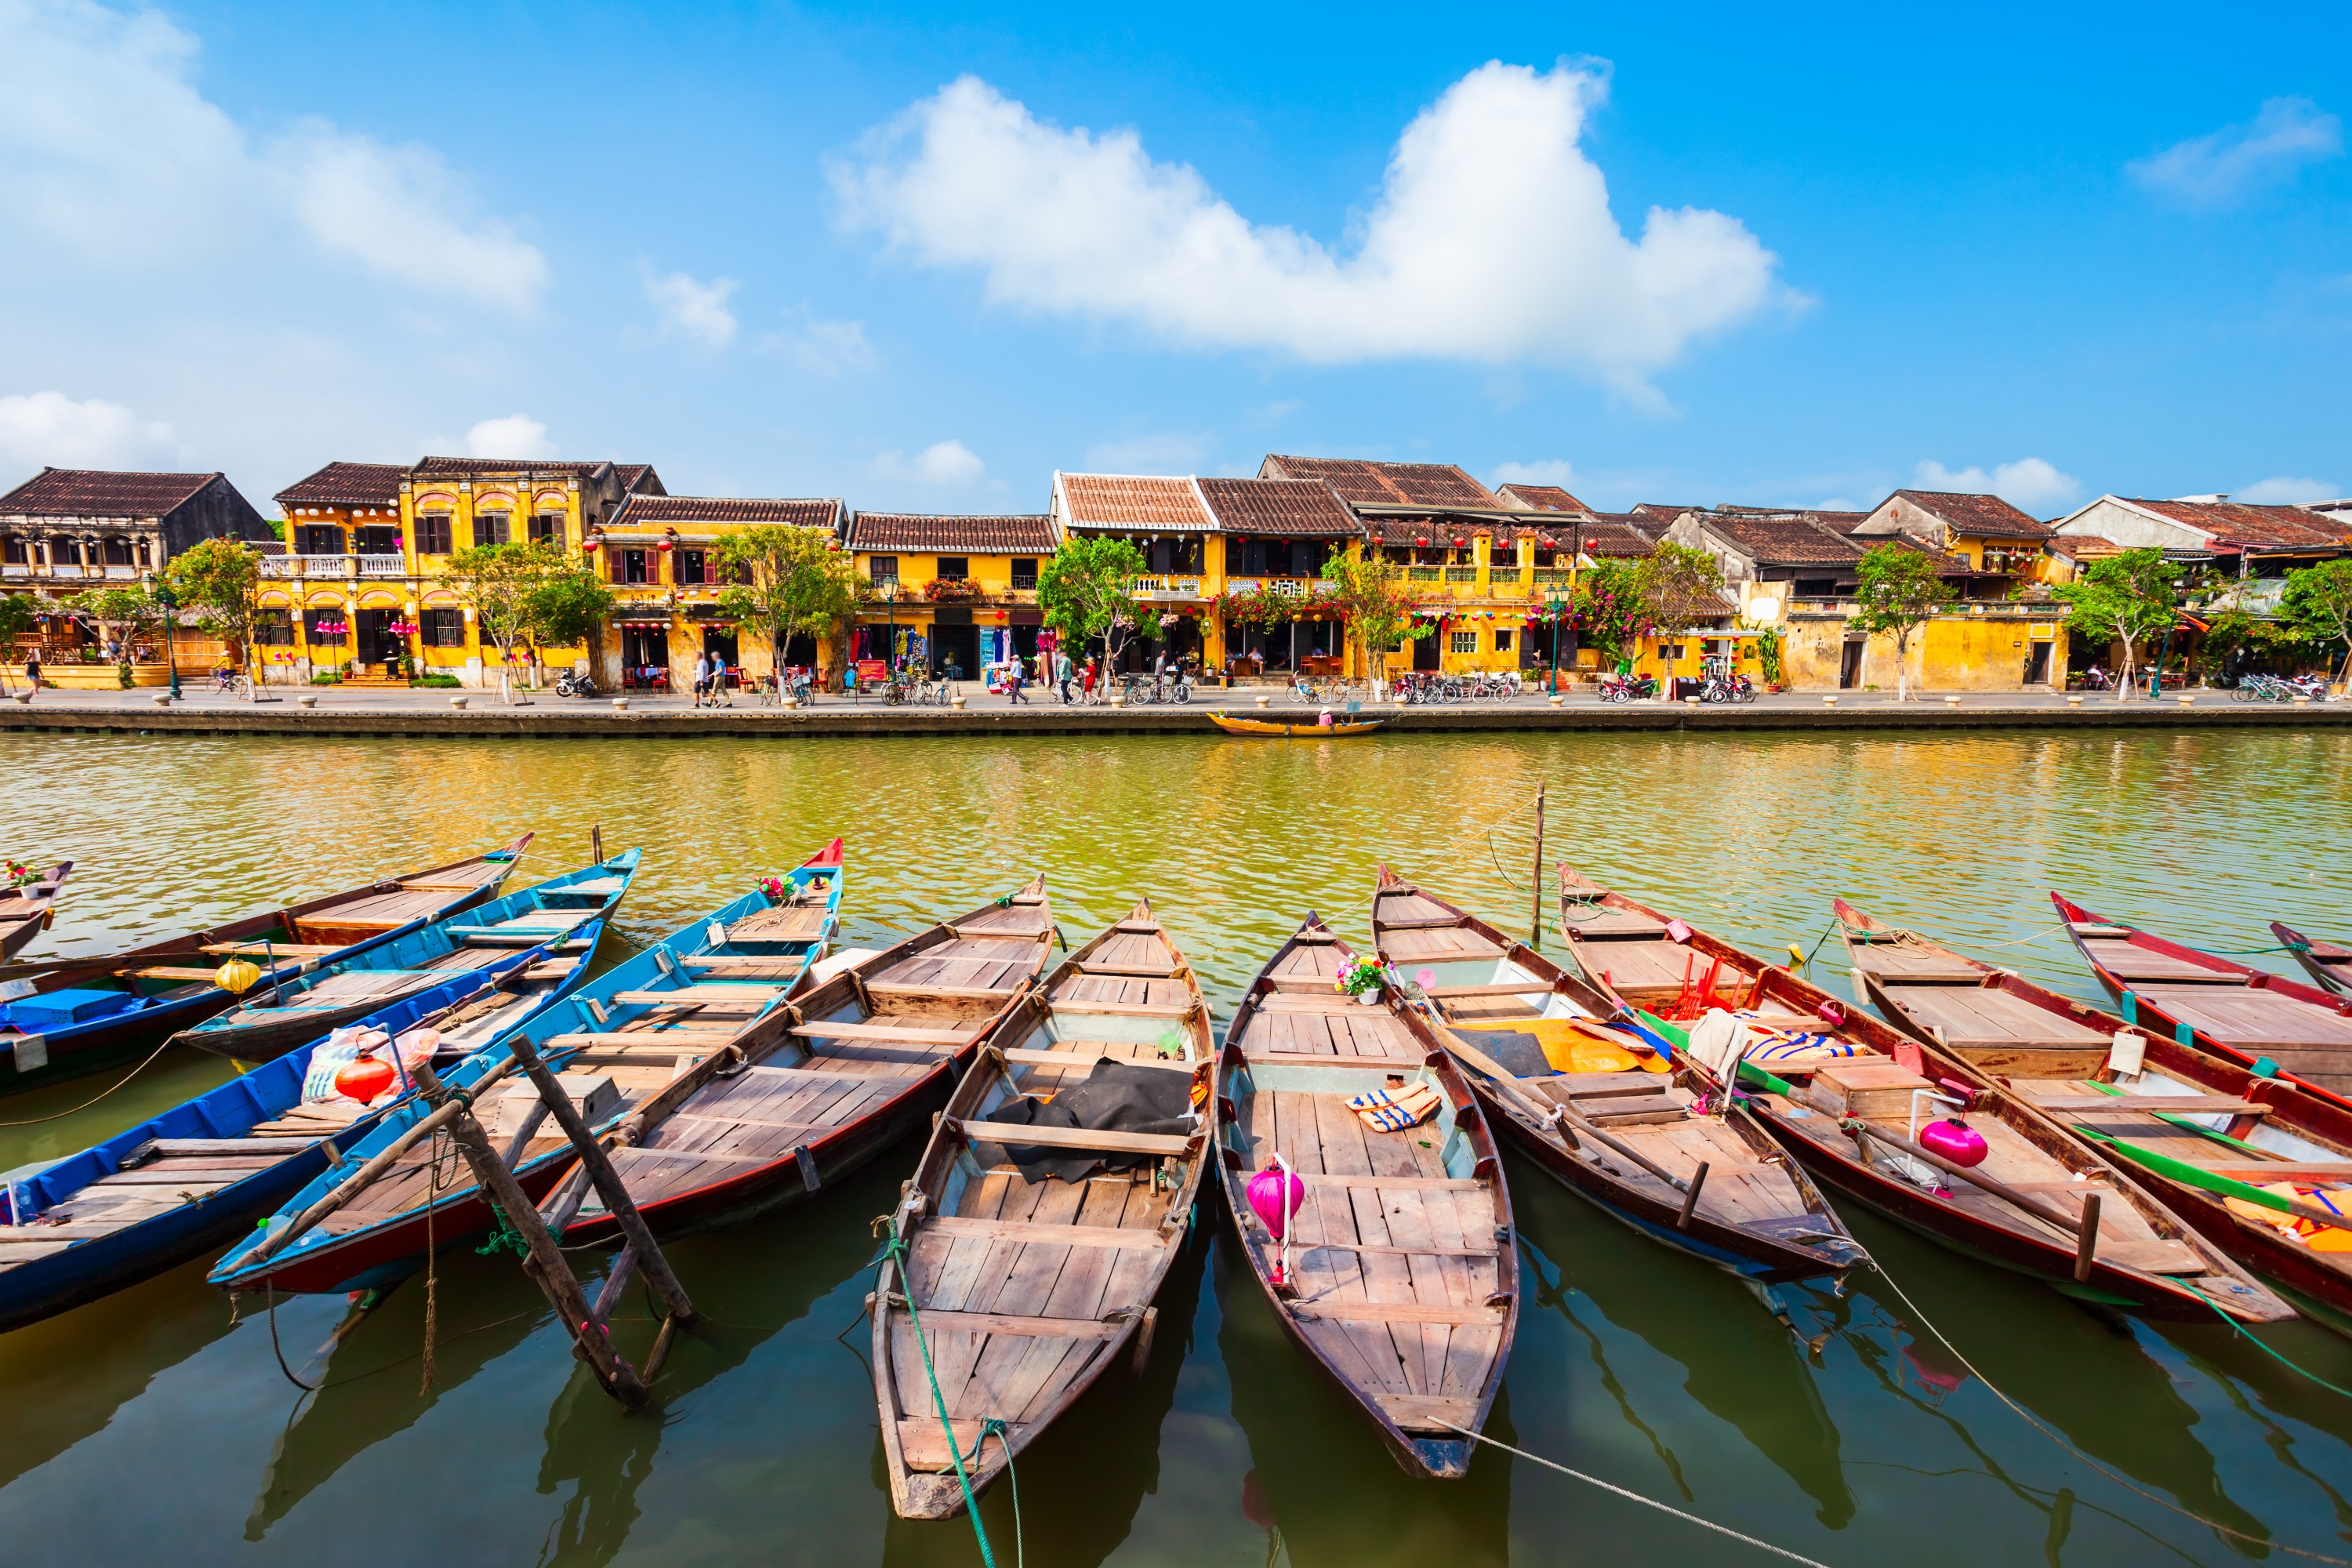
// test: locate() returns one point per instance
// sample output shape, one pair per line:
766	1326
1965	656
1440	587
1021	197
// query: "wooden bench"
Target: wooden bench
1084	1139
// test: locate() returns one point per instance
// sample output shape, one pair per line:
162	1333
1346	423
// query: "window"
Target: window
1465	642
1024	573
954	569
273	628
491	528
882	568
1502	642
433	533
690	569
547	528
444	628
379	541
319	538
633	566
313	619
18	551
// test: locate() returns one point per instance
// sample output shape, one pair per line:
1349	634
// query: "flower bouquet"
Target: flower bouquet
776	887
1362	980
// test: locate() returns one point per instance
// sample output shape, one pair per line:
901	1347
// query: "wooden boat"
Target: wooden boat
1029	1285
1851	1120
2246	1014
29	911
1403	1286
384	1230
84	1015
265	1023
2159	1103
1232	726
809	1092
179	1184
2328	963
1631	1141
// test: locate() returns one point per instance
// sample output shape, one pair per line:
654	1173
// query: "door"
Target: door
956	649
1426	654
2037	665
1850	665
645	658
375	644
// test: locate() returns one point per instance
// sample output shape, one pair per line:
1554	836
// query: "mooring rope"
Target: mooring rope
994	1426
102	1094
895	1252
1636	1496
2265	1349
305	1387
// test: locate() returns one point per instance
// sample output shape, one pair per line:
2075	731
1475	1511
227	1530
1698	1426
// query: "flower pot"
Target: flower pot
1371	998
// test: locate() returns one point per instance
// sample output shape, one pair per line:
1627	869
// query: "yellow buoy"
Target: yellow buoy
237	976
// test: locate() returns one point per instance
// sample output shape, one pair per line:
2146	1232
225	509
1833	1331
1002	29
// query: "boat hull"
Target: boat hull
388	1253
1278	730
268	1042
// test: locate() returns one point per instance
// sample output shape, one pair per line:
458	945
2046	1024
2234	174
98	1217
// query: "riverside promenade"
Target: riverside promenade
341	711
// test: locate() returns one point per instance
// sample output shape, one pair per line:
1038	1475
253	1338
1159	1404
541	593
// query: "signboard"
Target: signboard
874	669
2042	631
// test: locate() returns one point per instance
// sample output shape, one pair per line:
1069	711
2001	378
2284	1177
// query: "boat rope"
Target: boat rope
996	1425
432	1272
2034	1422
2265	1349
1496	856
1634	1496
895	1253
278	1353
102	1094
1806	961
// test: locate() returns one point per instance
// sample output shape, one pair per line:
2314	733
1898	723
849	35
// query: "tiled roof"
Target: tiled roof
1783	540
347	484
666	511
1607	537
1983	516
1294	509
994	534
2084	546
1151	503
1361	482
99	493
1538	498
2264	527
632	476
640	477
1659	511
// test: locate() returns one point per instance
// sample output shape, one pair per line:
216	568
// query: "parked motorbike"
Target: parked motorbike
1626	689
571	684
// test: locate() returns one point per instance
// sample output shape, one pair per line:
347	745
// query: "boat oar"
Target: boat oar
2000	1190
2196	1176
1507	1083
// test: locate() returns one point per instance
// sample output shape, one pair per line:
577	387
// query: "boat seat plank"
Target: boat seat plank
1085	1060
1583	920
1398	1313
1428	1412
1982	1015
1054	1235
2126	960
1907	962
2242	1016
1081	1138
901	1033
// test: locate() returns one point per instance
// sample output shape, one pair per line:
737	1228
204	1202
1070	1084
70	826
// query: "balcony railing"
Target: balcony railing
1554	576
1166	587
1461	573
384	566
1425	573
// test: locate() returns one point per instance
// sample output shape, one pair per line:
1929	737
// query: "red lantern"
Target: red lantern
663	542
588	546
1003	615
1460	543
364	1079
1421	540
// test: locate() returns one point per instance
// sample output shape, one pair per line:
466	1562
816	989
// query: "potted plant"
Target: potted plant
1362	980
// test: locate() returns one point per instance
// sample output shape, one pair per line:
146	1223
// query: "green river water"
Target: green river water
149	1425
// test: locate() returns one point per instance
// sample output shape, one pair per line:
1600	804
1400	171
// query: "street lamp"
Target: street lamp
1553	607
163	597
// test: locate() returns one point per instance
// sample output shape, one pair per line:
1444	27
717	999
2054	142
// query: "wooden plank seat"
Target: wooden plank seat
1909	962
1427	1412
884	991
1588	922
739	997
1451	945
2129	960
2143	1104
947	1322
1084	1007
376	910
2244	1016
820	1030
276	949
1081	1138
1984	1016
781	967
1386	1063
1045	1234
1399	1312
792	922
1085	1059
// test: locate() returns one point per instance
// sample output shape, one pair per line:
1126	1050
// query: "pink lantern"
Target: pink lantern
1266	1196
1955	1140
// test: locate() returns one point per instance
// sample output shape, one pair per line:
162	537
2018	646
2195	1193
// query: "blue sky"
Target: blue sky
920	258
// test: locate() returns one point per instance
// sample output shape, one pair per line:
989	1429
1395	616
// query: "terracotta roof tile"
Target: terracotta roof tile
1983	516
1659	511
632	476
2084	546
2263	527
99	493
1155	504
663	512
1538	498
1615	537
347	484
1783	540
990	535
1293	508
1362	482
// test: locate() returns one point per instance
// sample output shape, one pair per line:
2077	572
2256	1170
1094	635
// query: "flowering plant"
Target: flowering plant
1362	975
19	874
775	887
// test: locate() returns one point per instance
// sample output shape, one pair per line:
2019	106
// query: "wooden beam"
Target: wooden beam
1398	1313
1079	1138
1041	1234
903	1032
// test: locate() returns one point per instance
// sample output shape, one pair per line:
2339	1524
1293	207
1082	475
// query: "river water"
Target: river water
150	1423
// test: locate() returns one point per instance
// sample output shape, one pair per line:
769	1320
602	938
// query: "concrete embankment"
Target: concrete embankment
546	721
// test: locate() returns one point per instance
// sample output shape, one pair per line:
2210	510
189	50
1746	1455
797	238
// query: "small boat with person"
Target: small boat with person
1367	1196
29	906
267	1021
1286	729
62	1019
1597	1104
1053	1198
1909	1130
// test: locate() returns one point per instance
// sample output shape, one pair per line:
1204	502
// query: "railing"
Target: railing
1554	576
1167	588
1461	573
1425	573
383	565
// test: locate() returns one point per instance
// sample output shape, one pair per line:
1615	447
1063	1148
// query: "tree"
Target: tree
500	583
1900	593
1611	615
121	613
220	580
1086	589
2129	597
1366	589
565	610
1681	587
799	582
16	618
2317	605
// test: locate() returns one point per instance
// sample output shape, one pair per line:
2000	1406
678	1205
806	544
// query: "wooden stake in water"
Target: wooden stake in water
1535	895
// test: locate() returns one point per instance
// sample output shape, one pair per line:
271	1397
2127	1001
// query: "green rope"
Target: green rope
992	1425
895	1251
2266	1349
1806	961
503	1237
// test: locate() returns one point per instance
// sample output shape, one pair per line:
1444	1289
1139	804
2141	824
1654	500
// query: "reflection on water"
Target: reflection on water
1859	1437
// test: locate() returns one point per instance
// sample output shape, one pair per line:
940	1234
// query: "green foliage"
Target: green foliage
436	682
565	610
1682	587
17	616
123	614
1610	610
327	677
1367	590
500	583
2317	604
799	584
1767	648
1085	590
1899	592
2129	597
220	580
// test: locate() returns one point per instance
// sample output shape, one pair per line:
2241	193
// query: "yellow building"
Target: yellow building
660	555
2004	548
949	594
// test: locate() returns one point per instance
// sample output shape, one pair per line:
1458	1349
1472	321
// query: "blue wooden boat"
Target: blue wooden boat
382	1233
272	1020
82	1015
184	1183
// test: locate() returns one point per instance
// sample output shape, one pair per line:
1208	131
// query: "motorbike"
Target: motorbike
1626	689
569	684
1734	688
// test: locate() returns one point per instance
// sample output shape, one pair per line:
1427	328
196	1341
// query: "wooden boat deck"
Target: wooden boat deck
2127	960
1979	1016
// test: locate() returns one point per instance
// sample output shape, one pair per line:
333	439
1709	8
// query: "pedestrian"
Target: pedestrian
33	672
1086	682
722	680
1013	673
702	677
1061	673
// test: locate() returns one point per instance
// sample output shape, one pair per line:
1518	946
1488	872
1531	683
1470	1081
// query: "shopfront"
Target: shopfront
644	656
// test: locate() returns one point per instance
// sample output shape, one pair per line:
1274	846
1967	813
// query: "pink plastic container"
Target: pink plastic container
1955	1140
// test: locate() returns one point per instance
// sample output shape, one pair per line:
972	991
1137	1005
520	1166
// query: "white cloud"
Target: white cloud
822	347
48	429
516	435
2284	491
943	463
1491	239
1550	471
110	155
2029	484
697	310
2237	159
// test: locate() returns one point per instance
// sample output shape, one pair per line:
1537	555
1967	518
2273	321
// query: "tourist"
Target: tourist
1013	675
702	677
33	672
1086	682
1062	671
722	681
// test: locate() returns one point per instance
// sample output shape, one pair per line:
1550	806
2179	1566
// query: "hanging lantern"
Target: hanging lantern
237	976
1421	540
588	546
1275	1195
1460	543
667	541
365	1078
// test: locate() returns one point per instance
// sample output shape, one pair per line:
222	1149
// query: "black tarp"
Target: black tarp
1515	1051
1116	1096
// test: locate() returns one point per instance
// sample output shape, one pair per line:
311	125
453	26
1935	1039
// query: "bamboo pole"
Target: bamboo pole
544	1262
1535	884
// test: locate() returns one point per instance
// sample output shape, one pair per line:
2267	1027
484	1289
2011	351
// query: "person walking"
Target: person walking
722	681
1062	671
1087	683
1016	676
33	673
702	677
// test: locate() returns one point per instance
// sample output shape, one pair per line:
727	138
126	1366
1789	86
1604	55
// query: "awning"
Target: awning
643	626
